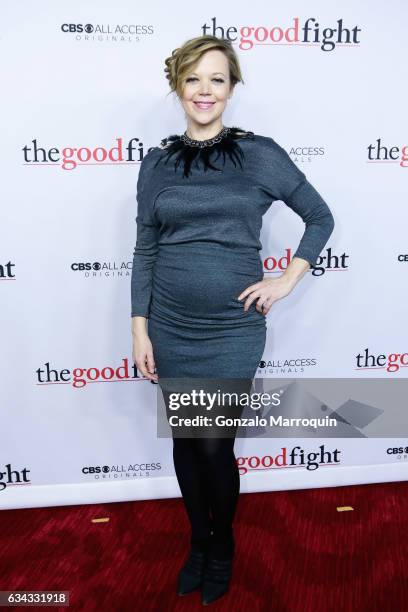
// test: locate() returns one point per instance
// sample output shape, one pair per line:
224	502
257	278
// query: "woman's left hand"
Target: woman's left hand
266	292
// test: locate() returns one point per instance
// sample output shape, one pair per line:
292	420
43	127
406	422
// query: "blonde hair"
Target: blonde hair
183	59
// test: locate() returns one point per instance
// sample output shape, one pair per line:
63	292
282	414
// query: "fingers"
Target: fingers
146	366
249	301
145	372
151	366
248	290
263	304
255	295
260	305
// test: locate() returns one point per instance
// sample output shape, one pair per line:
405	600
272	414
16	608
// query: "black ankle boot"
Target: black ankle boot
191	574
216	579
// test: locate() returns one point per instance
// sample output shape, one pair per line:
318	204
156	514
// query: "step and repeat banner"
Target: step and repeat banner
84	97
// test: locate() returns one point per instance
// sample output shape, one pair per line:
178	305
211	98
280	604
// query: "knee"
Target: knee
215	452
183	447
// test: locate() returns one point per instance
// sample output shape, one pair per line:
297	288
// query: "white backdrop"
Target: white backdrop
74	88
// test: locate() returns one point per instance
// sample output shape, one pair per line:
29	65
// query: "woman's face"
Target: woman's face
206	89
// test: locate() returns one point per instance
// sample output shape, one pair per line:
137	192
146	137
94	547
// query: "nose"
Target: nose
204	87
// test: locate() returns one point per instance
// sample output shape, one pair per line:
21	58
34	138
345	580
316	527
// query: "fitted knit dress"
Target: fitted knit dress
198	247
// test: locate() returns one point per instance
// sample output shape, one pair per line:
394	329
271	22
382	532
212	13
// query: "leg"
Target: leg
219	461
193	489
189	474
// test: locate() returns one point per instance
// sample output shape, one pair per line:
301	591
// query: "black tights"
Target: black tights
208	477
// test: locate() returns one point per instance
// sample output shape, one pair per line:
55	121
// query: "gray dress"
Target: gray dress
198	247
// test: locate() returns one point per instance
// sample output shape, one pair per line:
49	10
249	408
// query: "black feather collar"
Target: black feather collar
226	144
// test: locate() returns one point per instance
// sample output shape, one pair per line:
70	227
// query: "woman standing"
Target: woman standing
199	299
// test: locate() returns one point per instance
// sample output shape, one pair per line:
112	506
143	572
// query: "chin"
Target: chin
204	117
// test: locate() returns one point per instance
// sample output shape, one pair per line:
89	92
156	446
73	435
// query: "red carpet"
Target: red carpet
295	553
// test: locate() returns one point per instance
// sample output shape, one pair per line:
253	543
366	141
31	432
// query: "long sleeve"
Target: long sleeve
283	180
145	251
319	221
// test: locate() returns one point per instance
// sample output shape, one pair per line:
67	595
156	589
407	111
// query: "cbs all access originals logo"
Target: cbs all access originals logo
294	365
11	477
289	458
82	376
70	157
398	452
307	32
117	472
379	153
107	32
326	262
392	362
104	268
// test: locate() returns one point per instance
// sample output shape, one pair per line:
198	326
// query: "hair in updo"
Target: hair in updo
183	59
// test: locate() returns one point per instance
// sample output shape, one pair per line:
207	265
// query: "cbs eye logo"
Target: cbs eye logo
104	469
77	27
86	266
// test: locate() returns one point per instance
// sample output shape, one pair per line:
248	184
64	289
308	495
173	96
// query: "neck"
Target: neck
204	132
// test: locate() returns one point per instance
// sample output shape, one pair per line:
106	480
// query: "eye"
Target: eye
218	80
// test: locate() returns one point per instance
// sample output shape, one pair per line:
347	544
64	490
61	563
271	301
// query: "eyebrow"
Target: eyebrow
212	73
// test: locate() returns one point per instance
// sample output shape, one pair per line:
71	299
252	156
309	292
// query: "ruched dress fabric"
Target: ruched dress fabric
198	247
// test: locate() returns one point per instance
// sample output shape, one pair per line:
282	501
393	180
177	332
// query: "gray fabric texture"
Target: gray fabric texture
198	247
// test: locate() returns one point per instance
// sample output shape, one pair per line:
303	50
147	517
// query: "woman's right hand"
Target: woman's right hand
142	353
